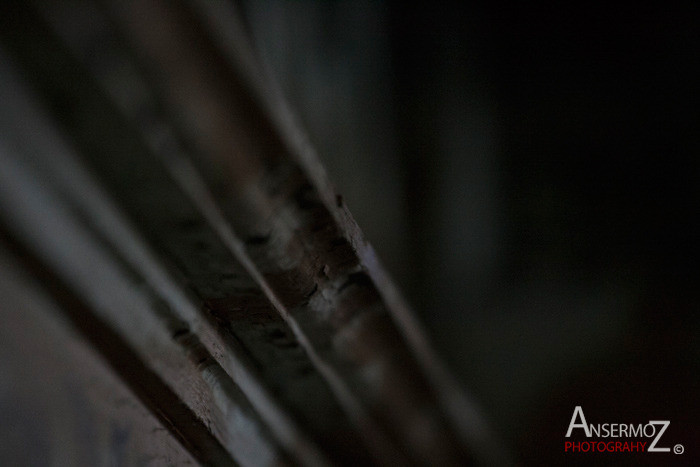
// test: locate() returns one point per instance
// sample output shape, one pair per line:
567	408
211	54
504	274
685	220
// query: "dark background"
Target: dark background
529	176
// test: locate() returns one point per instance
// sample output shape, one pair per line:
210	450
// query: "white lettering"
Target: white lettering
653	430
582	424
664	424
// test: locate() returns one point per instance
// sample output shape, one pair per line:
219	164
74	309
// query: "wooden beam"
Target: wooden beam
174	198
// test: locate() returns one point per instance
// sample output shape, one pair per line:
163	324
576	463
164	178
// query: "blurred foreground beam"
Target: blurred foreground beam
150	168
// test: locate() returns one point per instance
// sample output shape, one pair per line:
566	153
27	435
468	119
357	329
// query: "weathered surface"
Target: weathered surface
56	392
154	175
